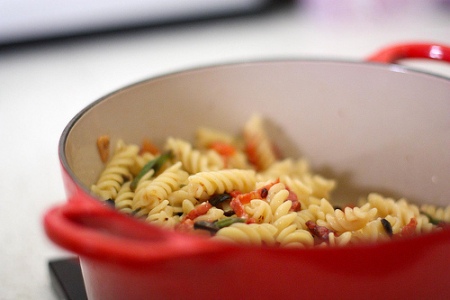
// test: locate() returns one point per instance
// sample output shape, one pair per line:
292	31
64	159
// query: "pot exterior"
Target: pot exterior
408	271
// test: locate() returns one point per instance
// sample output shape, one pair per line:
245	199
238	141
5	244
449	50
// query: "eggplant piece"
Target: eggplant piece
387	227
219	198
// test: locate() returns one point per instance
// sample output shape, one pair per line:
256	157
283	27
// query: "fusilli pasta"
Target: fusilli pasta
237	189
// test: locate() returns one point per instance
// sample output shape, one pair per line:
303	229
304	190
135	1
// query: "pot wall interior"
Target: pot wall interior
371	127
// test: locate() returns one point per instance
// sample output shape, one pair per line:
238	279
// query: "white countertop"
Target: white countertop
43	86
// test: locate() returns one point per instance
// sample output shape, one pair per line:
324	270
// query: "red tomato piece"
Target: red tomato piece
198	211
296	205
320	232
409	229
223	149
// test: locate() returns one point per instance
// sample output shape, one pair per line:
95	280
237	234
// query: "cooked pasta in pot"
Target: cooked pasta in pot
237	189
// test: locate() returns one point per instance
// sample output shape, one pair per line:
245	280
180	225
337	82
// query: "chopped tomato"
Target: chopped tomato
251	149
235	193
319	232
198	211
409	229
260	193
296	206
250	221
185	226
238	208
252	155
223	149
443	225
239	199
148	146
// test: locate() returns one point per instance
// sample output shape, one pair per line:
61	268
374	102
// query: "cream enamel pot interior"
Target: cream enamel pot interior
372	126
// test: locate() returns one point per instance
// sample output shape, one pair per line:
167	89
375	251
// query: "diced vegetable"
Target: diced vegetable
228	221
219	198
431	218
319	232
223	149
200	210
148	146
205	225
103	147
110	202
154	164
387	227
215	226
409	229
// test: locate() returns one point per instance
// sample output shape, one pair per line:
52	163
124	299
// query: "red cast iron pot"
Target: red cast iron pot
372	126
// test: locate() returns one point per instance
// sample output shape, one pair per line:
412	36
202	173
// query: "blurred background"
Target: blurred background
56	57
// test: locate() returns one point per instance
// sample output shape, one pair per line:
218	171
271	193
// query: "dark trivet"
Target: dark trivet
66	278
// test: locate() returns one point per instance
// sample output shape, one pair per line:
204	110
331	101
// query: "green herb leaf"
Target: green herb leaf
154	164
228	221
205	225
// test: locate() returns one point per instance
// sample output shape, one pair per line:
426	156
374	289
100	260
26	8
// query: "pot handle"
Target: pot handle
94	230
393	54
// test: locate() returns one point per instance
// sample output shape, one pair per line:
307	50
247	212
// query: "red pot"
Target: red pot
377	127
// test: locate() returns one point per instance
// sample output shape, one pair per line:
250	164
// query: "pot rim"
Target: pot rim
390	67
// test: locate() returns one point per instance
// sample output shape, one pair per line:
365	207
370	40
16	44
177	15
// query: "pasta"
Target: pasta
258	146
194	160
124	199
237	188
116	172
158	189
205	184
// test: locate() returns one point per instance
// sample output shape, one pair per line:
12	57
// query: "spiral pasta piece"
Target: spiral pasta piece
296	175
124	199
116	172
286	167
399	212
300	189
238	161
341	240
250	234
205	136
177	197
140	162
293	237
159	188
193	160
259	147
276	196
439	213
372	232
259	210
304	216
314	212
162	215
320	186
350	219
423	224
205	184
